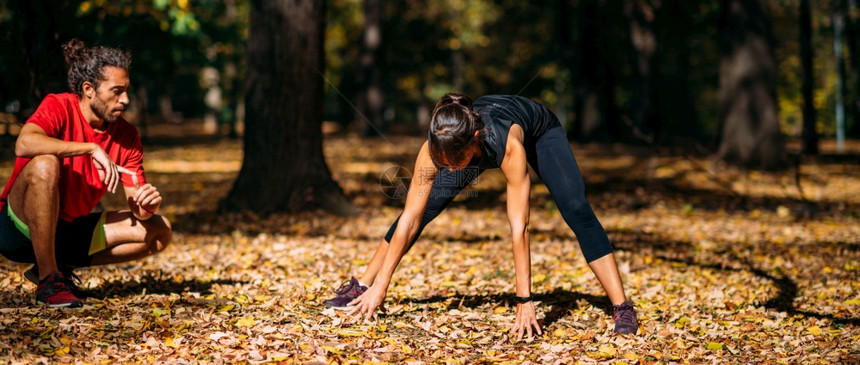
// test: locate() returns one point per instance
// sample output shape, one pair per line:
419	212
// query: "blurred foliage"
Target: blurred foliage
503	46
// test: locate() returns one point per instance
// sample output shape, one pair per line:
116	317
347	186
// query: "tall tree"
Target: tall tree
284	168
810	135
598	117
371	101
38	30
852	38
748	107
640	14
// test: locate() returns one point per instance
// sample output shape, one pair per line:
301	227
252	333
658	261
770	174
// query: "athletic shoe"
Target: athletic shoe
73	281
625	318
345	294
52	291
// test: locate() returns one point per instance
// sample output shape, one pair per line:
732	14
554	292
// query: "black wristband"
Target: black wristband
523	299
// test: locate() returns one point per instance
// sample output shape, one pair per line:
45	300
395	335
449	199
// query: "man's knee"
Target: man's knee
42	169
161	232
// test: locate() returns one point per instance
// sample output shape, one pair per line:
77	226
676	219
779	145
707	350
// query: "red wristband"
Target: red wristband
147	210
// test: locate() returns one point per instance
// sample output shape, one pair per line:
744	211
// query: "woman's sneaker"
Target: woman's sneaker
345	294
52	291
625	318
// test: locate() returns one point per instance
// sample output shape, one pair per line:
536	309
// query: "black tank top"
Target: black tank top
499	112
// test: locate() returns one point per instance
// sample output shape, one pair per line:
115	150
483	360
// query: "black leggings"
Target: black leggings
552	159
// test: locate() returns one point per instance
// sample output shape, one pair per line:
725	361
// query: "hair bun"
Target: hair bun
74	50
455	98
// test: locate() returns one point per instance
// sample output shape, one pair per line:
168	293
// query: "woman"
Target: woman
511	133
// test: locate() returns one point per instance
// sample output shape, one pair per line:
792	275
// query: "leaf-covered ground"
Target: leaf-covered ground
724	267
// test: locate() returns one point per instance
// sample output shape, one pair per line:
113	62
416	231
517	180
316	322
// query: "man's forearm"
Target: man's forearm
34	144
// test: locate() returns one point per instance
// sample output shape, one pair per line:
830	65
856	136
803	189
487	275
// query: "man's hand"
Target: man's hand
147	197
525	321
367	303
109	170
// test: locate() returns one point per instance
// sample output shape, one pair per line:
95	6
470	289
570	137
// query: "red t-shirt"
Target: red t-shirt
60	117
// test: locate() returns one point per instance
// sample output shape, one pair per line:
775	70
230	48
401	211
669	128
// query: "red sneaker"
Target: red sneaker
52	291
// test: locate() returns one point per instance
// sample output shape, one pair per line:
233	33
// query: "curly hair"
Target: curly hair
88	63
452	127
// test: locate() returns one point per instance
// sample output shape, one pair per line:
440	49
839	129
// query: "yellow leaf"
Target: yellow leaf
349	332
539	278
847	302
714	346
815	330
559	332
310	296
226	308
608	349
448	284
382	328
406	349
169	342
62	351
500	310
331	349
359	262
245	322
631	356
65	340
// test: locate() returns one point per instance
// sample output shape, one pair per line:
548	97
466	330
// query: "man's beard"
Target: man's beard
100	109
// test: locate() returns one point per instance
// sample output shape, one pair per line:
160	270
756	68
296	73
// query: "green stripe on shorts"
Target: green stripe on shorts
99	241
22	227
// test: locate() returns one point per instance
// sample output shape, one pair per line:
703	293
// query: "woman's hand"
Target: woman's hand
367	303
525	321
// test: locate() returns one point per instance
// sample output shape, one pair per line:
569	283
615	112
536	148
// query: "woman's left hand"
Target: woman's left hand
525	321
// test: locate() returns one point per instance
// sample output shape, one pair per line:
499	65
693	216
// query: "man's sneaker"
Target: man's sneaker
52	291
73	281
625	318
345	294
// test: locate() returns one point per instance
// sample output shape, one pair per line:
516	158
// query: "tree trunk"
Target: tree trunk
675	116
371	106
568	59
641	16
598	118
748	107
43	27
810	135
284	168
852	35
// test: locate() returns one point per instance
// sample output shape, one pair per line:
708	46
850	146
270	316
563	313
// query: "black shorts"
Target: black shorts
72	240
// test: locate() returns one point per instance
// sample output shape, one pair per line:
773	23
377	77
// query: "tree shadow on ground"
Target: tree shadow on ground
561	302
683	253
155	283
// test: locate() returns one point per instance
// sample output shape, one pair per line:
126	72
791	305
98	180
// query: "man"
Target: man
70	152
